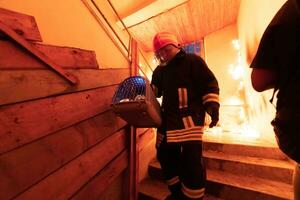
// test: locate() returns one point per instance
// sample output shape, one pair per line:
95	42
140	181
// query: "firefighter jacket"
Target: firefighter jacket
186	84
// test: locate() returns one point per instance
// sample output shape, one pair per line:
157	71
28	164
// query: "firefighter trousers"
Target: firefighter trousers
183	168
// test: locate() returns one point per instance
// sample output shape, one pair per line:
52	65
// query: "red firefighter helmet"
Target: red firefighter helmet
162	39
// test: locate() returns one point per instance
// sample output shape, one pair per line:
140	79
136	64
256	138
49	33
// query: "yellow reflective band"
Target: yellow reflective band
194	137
190	134
184	139
193	132
210	97
193	193
200	129
183	98
186	135
188	122
173	180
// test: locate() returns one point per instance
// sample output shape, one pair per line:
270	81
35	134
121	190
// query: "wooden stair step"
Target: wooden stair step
153	189
155	171
272	169
278	170
245	150
235	187
228	186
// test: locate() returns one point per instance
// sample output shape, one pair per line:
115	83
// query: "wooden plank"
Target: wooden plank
63	183
134	58
69	57
24	25
46	155
13	56
146	138
25	122
21	85
29	47
104	178
147	152
141	131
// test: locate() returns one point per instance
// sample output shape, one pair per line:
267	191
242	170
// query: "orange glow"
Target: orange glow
234	101
254	16
237	70
243	119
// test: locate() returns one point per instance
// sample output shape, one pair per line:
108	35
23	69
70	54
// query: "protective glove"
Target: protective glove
212	108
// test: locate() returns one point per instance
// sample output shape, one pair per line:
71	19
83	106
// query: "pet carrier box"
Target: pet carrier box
135	102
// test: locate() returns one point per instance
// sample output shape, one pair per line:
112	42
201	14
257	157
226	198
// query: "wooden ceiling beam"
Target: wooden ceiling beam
151	10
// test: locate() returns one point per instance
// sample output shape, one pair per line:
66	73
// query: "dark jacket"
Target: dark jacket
279	49
186	84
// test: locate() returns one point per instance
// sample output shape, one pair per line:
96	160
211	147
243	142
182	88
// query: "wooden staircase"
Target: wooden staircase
234	172
57	140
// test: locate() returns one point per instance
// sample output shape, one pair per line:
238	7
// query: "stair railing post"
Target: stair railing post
134	149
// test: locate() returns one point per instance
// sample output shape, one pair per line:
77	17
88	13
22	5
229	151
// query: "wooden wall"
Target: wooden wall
59	141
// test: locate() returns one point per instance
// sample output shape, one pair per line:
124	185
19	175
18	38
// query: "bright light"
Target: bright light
249	132
214	130
237	72
241	85
242	114
245	131
234	101
241	122
236	44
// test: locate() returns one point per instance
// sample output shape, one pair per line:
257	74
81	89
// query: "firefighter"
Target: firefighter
189	89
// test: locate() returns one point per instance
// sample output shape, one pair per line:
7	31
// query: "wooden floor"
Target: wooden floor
157	190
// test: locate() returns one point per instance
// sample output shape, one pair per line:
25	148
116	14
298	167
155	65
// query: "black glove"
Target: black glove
212	108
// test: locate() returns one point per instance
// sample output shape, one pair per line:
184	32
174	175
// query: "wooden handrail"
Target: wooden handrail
37	53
